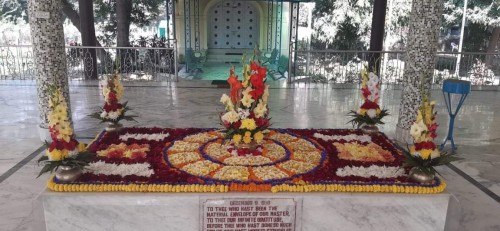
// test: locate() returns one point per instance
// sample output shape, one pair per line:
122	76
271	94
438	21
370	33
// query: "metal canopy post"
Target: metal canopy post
270	13
167	17
197	25
170	21
294	29
171	35
187	32
277	41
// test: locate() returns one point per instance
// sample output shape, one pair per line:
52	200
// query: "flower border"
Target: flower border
438	187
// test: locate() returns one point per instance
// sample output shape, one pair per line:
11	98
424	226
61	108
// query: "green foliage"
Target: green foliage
342	24
360	120
80	161
123	116
12	10
427	166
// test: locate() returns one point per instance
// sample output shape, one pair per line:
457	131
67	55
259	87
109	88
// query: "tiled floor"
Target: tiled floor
196	104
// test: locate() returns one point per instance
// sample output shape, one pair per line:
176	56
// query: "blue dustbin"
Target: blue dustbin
459	87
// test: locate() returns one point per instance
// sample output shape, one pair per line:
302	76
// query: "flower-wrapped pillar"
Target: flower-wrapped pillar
420	60
47	36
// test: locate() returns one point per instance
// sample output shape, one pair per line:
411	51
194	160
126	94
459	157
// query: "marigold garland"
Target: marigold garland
59	187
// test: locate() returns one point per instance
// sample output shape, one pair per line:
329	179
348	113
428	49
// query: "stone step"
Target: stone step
222	58
230	51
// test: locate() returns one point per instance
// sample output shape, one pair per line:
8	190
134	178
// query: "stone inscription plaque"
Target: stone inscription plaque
249	214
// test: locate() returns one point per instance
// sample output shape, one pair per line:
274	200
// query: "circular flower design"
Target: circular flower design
206	155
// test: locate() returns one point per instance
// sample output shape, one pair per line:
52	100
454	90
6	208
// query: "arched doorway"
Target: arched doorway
233	24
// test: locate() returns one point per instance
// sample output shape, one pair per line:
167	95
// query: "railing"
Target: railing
321	66
134	63
330	66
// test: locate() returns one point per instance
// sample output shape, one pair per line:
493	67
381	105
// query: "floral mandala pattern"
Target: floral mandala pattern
206	155
288	160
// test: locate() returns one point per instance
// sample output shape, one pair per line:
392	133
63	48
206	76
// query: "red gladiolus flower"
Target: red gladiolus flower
432	130
257	93
235	87
258	84
259	70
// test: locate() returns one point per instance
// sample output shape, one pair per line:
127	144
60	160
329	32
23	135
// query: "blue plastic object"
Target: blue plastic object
459	87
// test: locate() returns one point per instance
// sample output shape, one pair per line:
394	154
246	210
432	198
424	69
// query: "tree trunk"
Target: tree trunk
71	13
123	10
74	17
86	8
377	35
492	45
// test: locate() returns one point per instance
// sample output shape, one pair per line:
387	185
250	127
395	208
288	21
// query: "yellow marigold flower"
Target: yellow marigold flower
247	139
412	149
237	138
248	124
362	111
258	137
82	147
425	153
55	155
65	153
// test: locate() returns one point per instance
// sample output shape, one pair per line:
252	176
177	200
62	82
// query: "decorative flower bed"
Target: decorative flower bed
288	160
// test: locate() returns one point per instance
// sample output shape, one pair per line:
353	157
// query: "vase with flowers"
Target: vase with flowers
64	154
113	111
245	118
424	155
369	114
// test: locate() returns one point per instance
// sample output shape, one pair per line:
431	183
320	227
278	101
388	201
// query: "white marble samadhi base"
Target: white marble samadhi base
181	211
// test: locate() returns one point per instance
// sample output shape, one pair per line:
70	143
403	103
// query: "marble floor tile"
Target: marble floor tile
196	104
